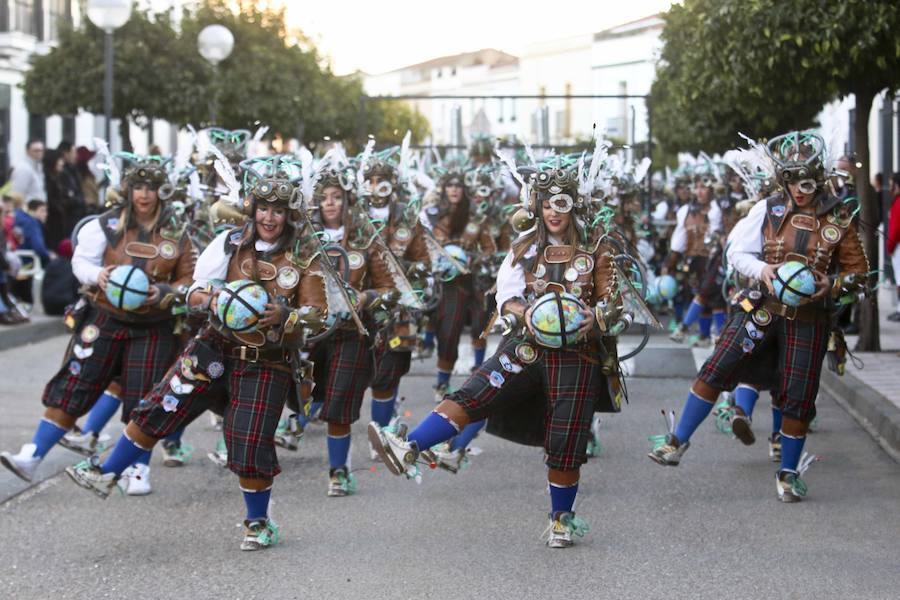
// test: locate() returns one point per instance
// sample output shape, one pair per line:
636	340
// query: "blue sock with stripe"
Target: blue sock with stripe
692	314
791	449
705	326
479	356
719	320
434	429
428	340
776	420
46	436
694	412
383	410
745	398
144	458
124	454
679	310
443	377
103	410
468	434
562	498
257	503
338	450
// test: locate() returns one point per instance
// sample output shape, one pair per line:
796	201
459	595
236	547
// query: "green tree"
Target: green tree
763	67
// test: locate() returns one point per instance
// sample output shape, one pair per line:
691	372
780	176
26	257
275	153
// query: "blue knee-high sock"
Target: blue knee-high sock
434	429
791	449
103	410
562	498
175	436
719	320
479	356
383	410
679	310
338	450
45	437
443	377
428	341
745	398
257	503
705	326
776	420
144	458
124	454
692	314
695	410
304	419
466	436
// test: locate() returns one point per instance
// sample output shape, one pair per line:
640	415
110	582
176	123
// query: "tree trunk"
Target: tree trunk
869	338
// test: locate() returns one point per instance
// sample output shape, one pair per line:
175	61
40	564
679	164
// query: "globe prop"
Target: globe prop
128	287
794	282
241	304
667	287
555	319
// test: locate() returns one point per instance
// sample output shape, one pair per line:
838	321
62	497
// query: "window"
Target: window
60	11
24	17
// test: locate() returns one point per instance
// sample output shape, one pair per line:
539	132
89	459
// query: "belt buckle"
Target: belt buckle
255	353
790	312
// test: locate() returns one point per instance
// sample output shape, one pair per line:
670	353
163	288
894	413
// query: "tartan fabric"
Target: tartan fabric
134	354
710	287
457	308
689	280
565	381
390	367
254	396
788	360
343	370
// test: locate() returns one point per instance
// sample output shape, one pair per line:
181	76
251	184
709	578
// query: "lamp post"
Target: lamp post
215	43
108	15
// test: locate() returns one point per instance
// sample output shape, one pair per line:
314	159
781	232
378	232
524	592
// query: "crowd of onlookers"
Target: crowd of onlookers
44	197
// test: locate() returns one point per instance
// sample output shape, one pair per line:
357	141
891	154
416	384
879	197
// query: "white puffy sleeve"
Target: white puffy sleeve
510	281
212	262
745	243
87	260
678	243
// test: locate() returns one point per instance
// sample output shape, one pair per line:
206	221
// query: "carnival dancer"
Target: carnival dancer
693	242
117	335
805	224
554	377
263	285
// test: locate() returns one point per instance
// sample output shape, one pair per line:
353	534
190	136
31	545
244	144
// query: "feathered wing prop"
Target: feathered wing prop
361	170
510	165
404	163
108	165
641	169
201	141
226	173
182	160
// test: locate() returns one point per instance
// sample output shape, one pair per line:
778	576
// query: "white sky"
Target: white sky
381	36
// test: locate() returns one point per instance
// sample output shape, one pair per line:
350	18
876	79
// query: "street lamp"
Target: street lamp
108	15
215	43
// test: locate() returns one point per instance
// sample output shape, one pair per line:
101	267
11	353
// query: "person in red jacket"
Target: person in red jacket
893	240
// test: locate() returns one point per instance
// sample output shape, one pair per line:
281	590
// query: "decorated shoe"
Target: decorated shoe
677	334
87	474
23	464
594	447
341	483
176	453
789	486
84	443
220	456
668	450
259	534
775	447
741	428
397	454
289	433
447	459
440	391
561	529
700	342
137	480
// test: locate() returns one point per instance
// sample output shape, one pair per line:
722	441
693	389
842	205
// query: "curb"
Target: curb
38	330
875	413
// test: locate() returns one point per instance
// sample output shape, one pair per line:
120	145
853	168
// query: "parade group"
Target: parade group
273	291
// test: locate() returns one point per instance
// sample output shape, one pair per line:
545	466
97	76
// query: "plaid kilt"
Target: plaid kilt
458	307
136	355
560	386
710	288
390	366
788	360
343	370
254	395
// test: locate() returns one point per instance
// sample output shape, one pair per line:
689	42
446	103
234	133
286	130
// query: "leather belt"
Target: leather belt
807	312
253	354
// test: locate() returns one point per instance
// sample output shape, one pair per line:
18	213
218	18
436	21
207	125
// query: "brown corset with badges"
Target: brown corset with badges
407	243
696	225
826	240
280	277
588	276
476	237
166	256
367	267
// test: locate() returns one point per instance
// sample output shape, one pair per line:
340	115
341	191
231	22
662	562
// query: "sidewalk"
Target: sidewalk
872	394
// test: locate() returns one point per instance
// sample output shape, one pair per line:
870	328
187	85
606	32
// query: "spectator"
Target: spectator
30	226
11	202
9	314
893	239
55	227
90	190
70	187
27	177
60	287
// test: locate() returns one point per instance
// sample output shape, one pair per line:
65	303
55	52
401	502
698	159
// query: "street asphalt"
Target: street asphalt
710	528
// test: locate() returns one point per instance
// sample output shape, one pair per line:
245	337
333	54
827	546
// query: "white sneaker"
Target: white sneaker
373	453
175	454
139	481
216	421
449	460
23	464
398	455
85	443
87	474
220	456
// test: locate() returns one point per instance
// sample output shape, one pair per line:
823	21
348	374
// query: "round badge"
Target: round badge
89	334
75	368
288	277
402	234
831	234
571	274
167	250
541	270
472	228
272	335
762	317
356	260
583	264
215	369
526	353
575	290
539	286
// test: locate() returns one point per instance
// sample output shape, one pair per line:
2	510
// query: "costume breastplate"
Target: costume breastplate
696	225
562	269
808	238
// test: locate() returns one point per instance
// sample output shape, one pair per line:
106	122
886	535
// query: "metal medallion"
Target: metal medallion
89	334
496	379
526	353
472	229
571	274
402	234
167	250
215	369
540	270
75	368
288	278
583	264
831	234
356	260
762	317
747	345
170	403
539	286
778	210
575	290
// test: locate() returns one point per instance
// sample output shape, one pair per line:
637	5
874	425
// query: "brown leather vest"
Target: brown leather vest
167	257
475	237
696	225
588	276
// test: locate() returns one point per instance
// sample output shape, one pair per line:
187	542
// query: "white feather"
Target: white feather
109	165
226	173
258	136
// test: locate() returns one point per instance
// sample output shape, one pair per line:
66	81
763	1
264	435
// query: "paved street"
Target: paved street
710	528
